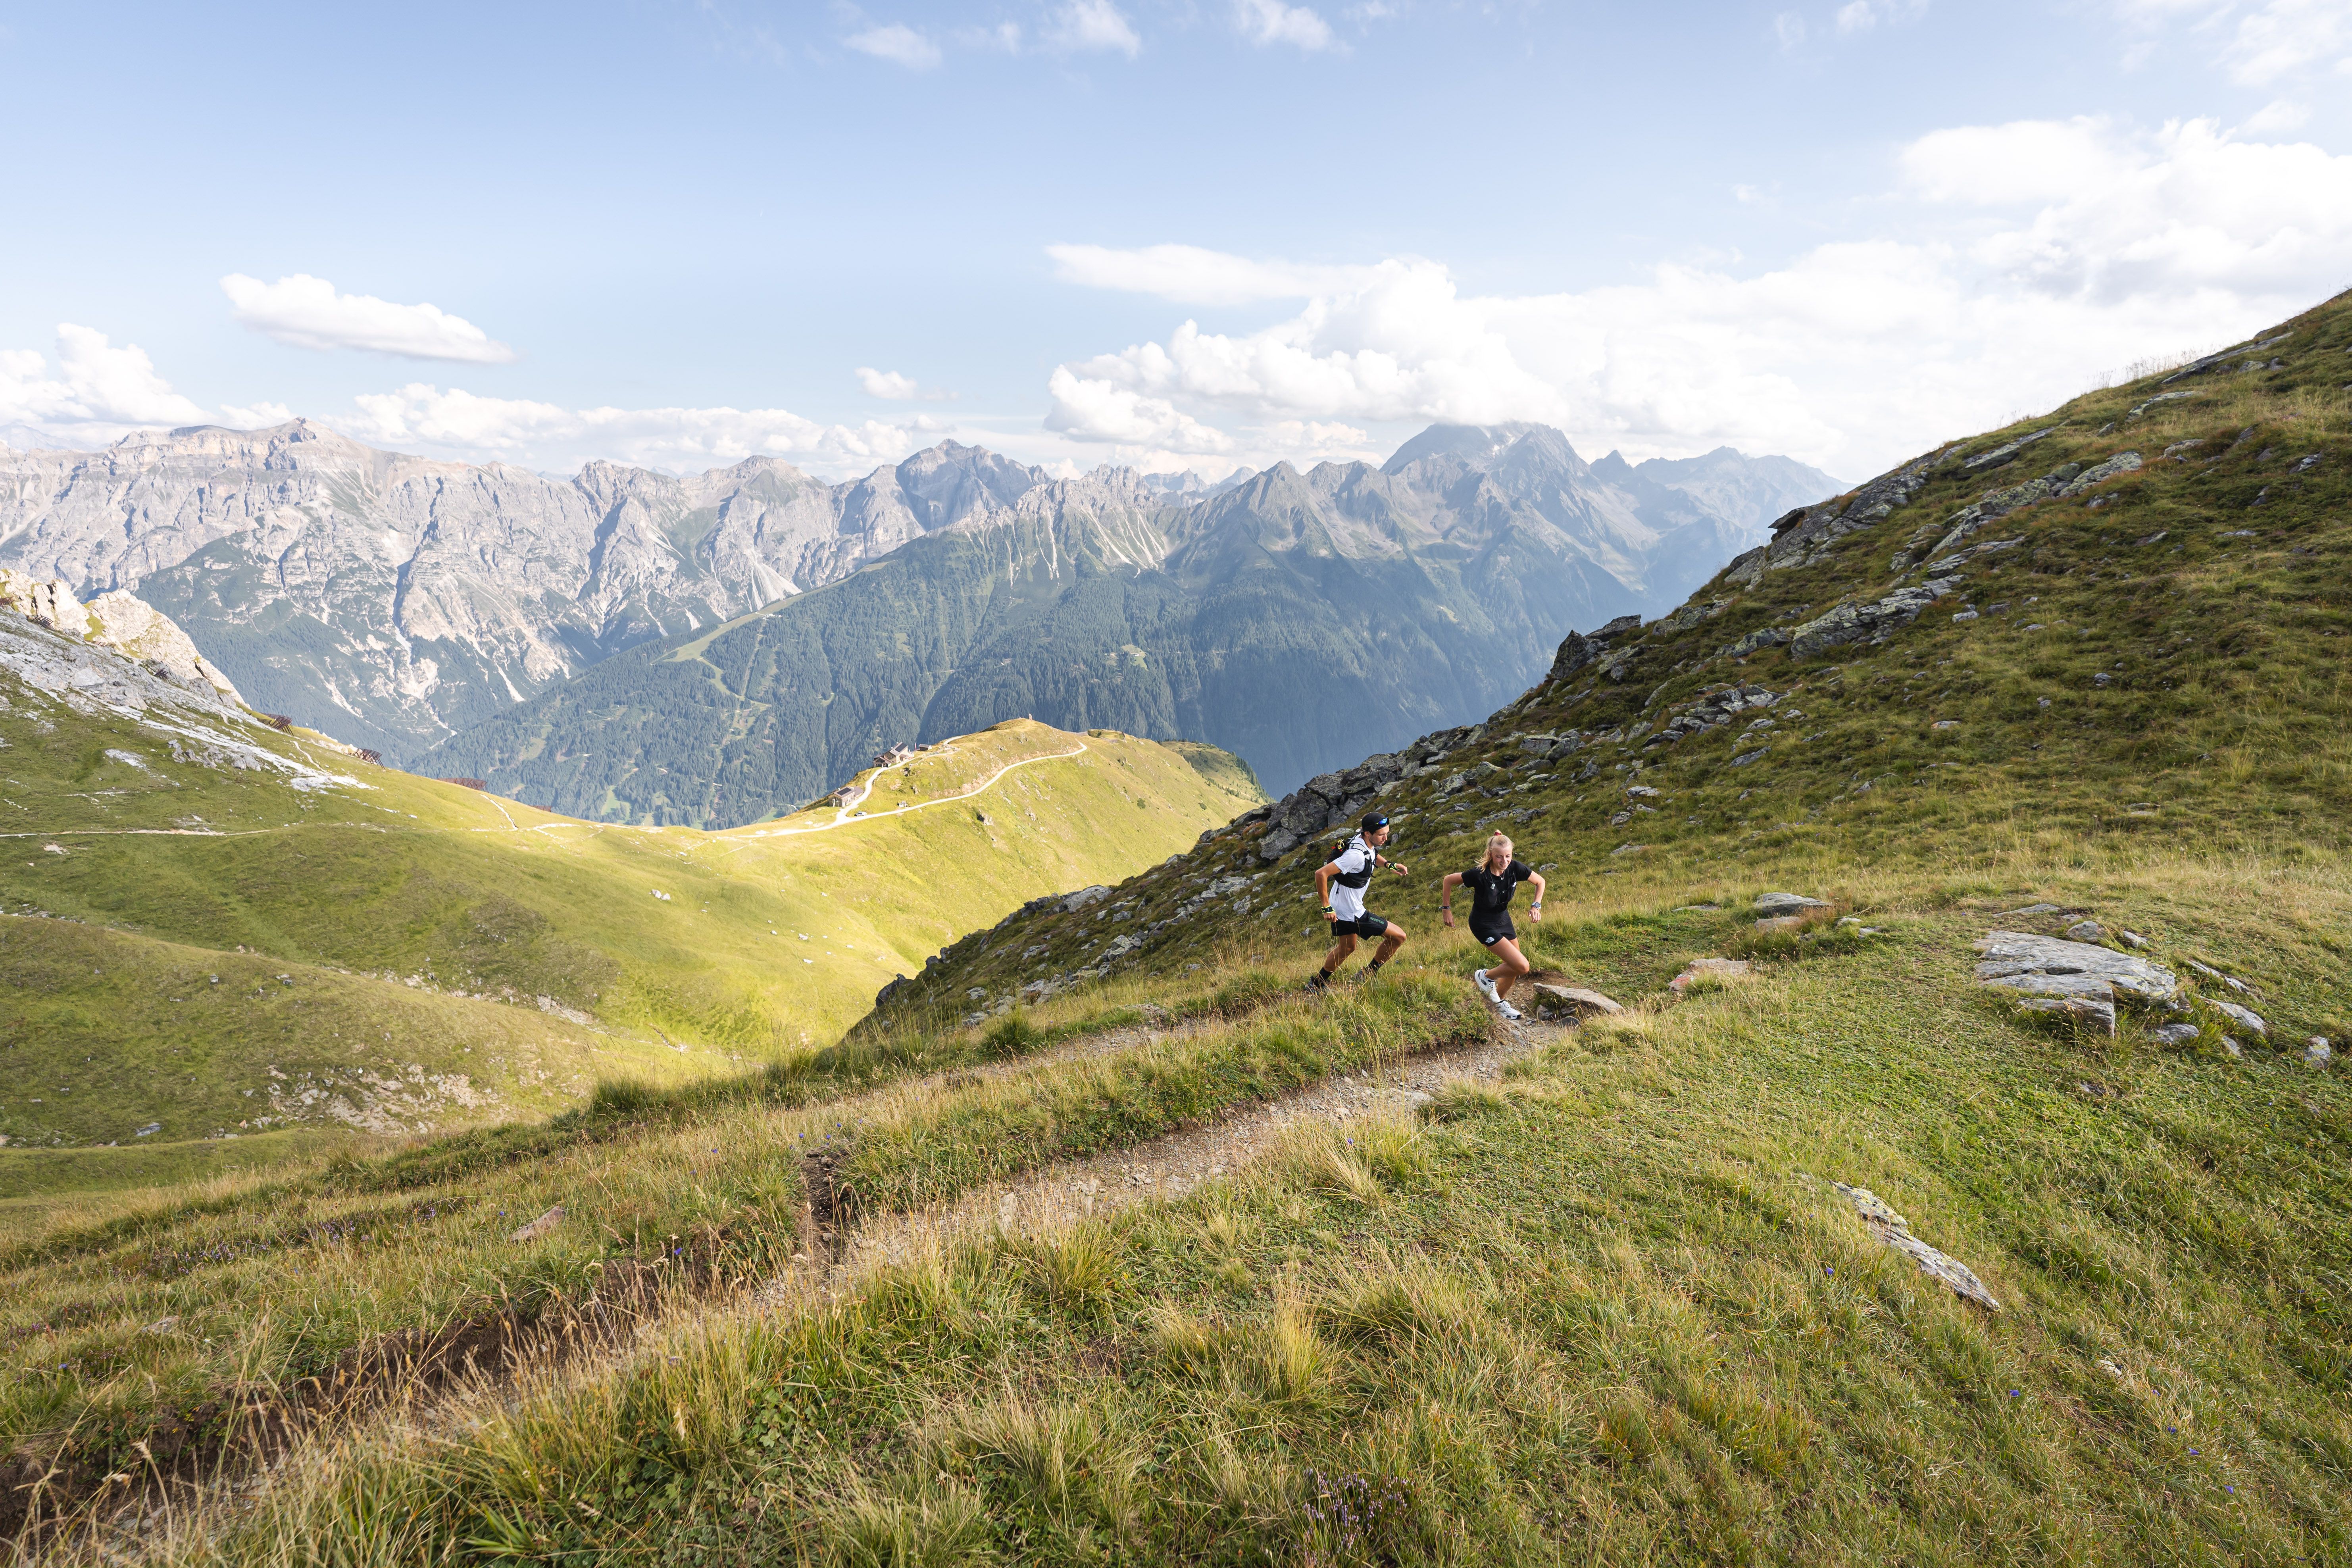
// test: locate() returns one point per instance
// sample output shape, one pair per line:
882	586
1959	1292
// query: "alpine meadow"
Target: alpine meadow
1926	1139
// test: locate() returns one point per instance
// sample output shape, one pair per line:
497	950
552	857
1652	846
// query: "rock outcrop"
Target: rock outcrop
2080	979
118	620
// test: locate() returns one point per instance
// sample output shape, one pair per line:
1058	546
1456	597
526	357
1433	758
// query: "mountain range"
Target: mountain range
397	601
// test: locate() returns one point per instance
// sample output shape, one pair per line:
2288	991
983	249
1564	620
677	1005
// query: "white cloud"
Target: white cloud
1789	31
1086	24
307	313
1273	22
1862	16
548	435
1190	275
99	393
886	383
899	44
2288	38
2265	43
2277	117
2031	257
257	415
1092	408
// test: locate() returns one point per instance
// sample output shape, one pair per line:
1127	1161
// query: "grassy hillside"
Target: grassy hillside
213	929
1605	1304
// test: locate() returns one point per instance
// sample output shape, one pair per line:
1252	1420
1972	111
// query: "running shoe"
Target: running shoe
1485	985
1319	980
1512	1014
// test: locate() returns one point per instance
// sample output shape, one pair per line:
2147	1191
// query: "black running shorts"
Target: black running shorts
1492	932
1370	928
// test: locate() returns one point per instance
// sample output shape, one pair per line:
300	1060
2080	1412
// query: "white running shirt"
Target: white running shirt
1348	903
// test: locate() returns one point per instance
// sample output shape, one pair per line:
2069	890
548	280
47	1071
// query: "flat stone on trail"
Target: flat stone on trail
1787	903
2246	1016
1574	999
1895	1231
541	1226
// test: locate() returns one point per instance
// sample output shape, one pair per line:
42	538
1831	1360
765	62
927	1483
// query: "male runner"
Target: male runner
1340	885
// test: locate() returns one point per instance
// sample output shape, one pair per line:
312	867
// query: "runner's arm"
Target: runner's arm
1323	875
1446	895
1535	879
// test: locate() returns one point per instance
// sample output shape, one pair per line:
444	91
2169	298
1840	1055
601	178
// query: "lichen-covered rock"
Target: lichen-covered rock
1787	903
1892	1229
1874	622
1572	1000
2245	1017
2076	978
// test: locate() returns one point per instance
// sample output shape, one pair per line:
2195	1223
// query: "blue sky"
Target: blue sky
1200	232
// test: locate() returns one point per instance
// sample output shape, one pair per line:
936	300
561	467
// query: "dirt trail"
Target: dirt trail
1167	1167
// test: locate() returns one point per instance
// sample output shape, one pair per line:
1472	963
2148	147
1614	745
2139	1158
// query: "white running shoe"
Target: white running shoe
1486	984
1509	1012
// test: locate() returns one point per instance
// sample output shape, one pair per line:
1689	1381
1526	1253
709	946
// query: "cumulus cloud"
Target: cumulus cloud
2032	256
1191	275
546	435
306	313
887	383
1273	22
899	44
99	392
1092	25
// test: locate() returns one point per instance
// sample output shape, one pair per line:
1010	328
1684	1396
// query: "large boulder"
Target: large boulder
2079	979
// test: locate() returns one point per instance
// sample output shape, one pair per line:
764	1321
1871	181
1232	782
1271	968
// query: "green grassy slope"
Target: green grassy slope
195	948
1606	1307
2157	667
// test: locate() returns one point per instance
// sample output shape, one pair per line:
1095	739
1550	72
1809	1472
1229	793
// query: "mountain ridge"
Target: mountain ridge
395	600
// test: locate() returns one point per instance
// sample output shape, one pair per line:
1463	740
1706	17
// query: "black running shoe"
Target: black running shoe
1320	981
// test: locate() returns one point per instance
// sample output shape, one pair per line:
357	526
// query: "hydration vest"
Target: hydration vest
1356	880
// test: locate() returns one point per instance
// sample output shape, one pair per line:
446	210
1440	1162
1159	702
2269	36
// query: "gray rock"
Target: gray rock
1754	642
2084	931
2245	1017
2037	909
541	1226
2012	956
2318	1052
2096	1011
1892	1229
1779	922
1072	903
2230	1048
1852	622
1574	1000
2004	452
2175	1034
2131	938
1745	758
1787	903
